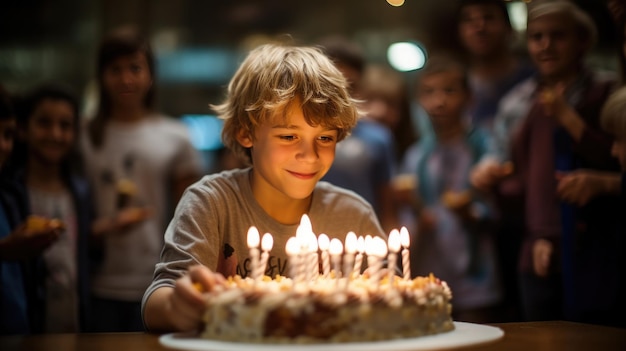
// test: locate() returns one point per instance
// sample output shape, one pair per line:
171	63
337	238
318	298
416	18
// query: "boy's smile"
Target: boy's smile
289	157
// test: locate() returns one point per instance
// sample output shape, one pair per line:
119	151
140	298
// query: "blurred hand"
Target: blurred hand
404	187
30	238
186	302
488	173
578	187
131	216
554	105
542	253
581	186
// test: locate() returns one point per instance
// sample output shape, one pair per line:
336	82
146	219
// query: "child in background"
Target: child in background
286	109
21	240
139	162
49	168
455	240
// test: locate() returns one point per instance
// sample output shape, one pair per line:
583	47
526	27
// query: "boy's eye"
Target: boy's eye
287	137
327	138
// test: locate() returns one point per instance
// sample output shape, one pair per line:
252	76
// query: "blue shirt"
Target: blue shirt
13	307
364	161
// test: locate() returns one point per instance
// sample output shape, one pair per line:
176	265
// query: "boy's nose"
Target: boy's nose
307	152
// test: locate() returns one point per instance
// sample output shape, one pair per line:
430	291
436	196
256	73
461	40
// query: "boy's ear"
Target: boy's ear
244	138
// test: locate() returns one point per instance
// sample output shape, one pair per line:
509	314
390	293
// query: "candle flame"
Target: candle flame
360	244
312	242
253	237
267	242
336	247
305	224
405	239
369	245
323	241
293	246
394	240
351	243
380	247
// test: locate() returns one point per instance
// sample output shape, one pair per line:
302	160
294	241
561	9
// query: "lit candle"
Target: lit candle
406	261
376	250
335	250
253	245
358	261
292	248
313	269
304	229
267	242
324	242
348	258
394	248
304	233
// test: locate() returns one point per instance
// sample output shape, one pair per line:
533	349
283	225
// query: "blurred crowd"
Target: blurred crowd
507	169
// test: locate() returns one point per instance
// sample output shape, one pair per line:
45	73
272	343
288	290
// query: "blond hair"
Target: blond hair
270	78
585	26
613	115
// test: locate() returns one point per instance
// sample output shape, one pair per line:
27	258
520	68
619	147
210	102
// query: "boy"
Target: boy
285	110
20	311
454	242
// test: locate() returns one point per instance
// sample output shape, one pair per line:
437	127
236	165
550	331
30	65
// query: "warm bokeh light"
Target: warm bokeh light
395	2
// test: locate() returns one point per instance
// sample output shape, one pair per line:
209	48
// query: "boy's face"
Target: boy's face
483	30
289	157
50	132
554	45
619	151
443	97
7	135
127	80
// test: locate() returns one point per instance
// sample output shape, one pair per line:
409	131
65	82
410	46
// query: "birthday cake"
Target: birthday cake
277	311
332	305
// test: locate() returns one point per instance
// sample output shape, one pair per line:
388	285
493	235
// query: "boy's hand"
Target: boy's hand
488	173
31	238
186	303
542	254
404	186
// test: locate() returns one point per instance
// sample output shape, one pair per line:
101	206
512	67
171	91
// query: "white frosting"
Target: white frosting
340	309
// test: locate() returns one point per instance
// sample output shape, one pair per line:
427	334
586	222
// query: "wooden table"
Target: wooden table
533	336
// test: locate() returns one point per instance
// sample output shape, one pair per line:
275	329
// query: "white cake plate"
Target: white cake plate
464	334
